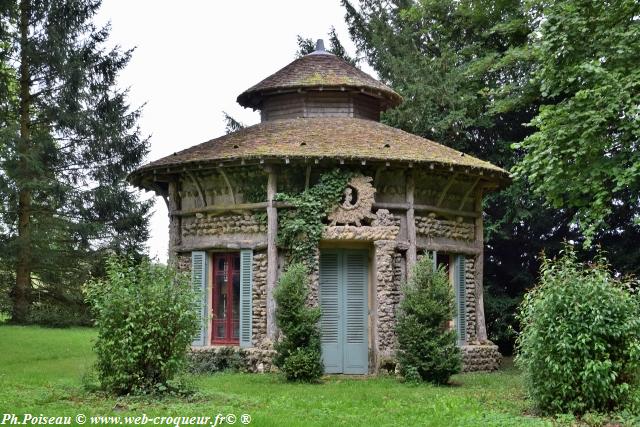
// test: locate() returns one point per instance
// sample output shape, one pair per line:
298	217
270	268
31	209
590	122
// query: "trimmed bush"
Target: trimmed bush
298	352
579	346
427	349
145	320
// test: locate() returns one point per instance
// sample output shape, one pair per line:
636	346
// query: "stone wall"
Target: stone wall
255	360
482	357
470	297
211	225
259	300
313	300
183	262
387	297
430	226
399	270
259	360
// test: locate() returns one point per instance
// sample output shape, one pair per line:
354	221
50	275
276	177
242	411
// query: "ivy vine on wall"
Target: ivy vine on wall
300	228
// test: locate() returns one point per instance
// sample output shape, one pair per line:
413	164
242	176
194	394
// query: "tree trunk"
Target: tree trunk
22	287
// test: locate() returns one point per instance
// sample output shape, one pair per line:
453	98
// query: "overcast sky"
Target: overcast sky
193	58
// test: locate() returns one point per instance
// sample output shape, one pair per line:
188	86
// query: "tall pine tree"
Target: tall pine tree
68	140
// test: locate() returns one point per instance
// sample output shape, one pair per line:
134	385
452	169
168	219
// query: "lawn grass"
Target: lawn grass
41	372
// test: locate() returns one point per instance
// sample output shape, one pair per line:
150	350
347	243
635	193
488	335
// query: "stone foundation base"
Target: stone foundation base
480	357
259	360
256	360
475	357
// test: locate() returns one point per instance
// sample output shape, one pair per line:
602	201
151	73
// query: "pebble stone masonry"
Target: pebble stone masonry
409	196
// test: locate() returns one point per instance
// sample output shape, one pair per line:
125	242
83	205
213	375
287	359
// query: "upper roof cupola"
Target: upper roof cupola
319	84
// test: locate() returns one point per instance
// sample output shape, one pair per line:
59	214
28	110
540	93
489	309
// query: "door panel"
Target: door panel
355	308
330	267
344	304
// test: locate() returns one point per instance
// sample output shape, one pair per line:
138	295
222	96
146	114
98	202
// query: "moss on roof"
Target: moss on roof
344	138
316	71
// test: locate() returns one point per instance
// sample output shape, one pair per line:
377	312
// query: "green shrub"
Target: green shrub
298	353
145	320
579	346
303	364
427	348
225	359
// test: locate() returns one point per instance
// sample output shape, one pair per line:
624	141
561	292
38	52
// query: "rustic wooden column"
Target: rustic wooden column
175	221
411	222
481	327
272	251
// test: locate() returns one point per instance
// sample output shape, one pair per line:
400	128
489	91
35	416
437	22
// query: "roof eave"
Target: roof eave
500	177
253	98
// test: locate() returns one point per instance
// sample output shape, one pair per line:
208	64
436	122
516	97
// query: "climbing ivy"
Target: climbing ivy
300	228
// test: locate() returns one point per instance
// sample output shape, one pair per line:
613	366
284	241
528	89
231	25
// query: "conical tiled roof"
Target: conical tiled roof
318	70
318	138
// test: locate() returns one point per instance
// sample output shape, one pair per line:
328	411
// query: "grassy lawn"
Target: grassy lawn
41	372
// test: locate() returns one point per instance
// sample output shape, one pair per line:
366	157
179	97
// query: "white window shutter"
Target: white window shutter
246	292
199	283
460	285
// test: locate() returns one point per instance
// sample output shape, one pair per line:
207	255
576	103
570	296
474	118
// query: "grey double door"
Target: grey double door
344	305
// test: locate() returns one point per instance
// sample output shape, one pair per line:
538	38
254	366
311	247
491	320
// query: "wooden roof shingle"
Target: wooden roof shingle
316	138
318	71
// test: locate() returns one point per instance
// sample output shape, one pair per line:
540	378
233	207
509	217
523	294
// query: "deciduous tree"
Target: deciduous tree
584	153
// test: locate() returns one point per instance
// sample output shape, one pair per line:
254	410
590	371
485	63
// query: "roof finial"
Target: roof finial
320	49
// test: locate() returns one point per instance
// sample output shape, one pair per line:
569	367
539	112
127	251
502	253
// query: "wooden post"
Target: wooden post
481	328
411	223
272	252
175	221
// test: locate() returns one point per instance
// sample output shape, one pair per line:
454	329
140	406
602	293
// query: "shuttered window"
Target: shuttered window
330	265
344	305
199	283
356	307
246	281
460	289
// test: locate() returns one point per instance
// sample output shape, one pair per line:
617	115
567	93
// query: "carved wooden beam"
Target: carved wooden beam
376	178
411	223
446	188
257	243
272	251
468	192
221	208
307	177
198	185
481	328
226	180
426	208
175	222
429	244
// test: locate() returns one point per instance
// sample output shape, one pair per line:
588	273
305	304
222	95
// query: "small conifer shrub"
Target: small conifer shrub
427	346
